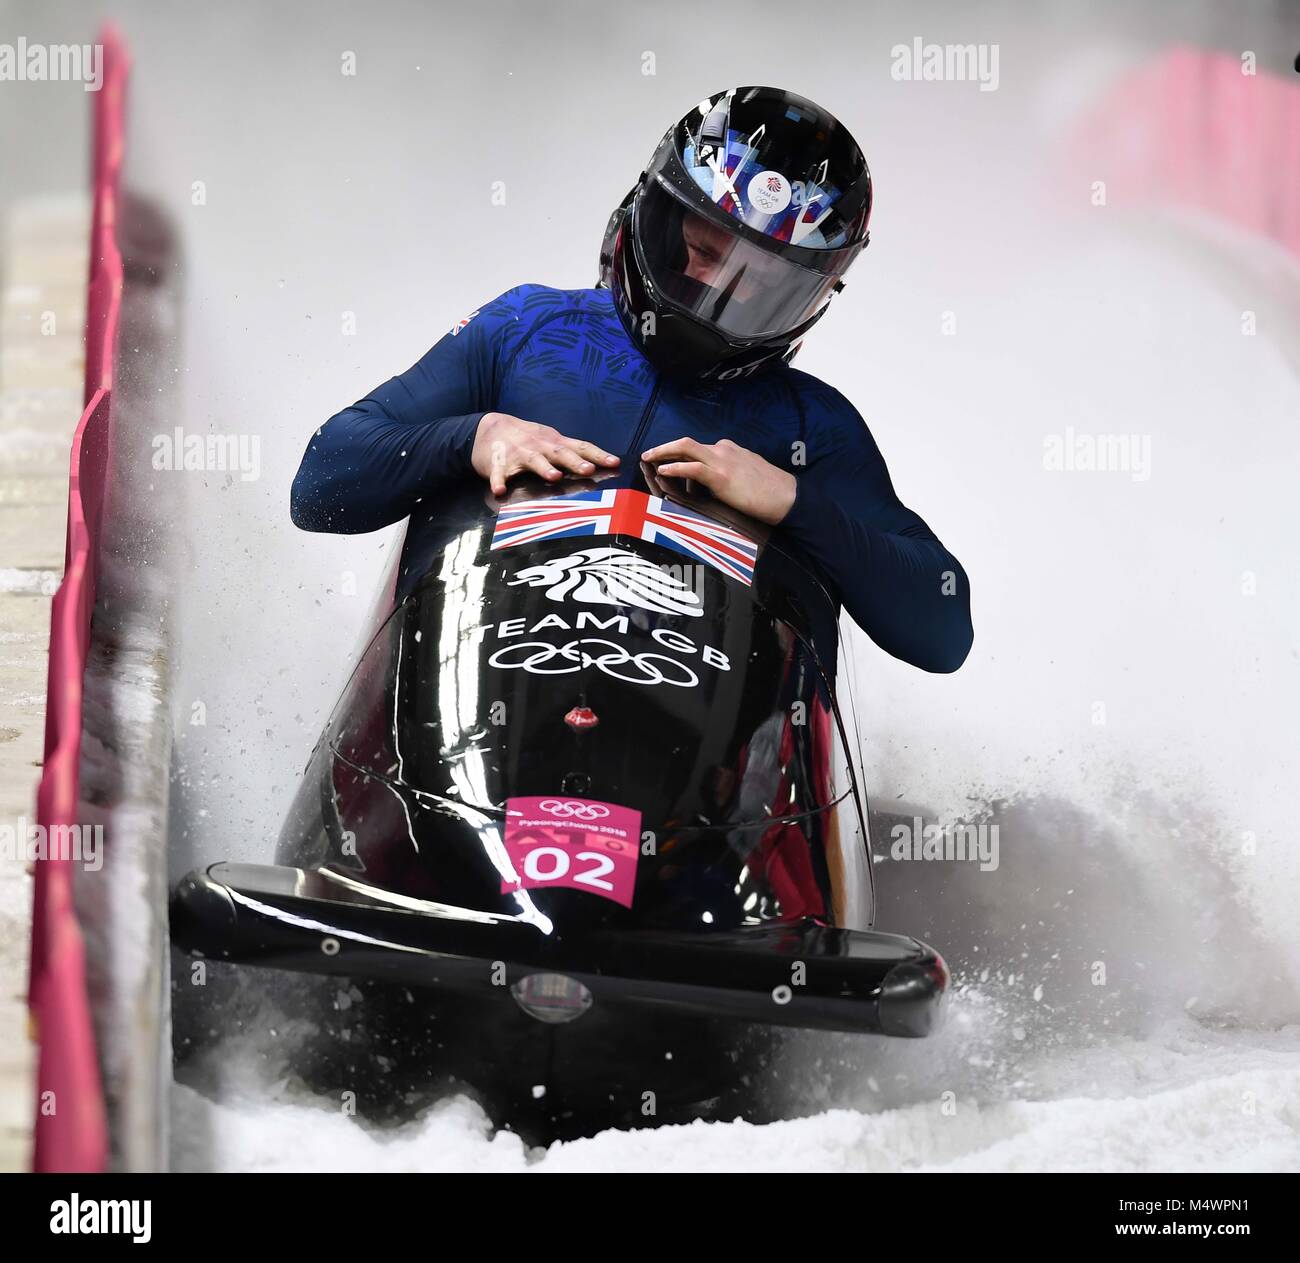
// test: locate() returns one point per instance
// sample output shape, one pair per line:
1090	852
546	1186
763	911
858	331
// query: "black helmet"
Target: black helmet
730	245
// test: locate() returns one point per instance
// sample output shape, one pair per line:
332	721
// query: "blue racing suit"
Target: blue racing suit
562	358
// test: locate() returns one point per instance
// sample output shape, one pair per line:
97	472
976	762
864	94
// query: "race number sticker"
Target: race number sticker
559	840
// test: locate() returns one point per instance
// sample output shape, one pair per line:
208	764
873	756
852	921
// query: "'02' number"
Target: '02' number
558	867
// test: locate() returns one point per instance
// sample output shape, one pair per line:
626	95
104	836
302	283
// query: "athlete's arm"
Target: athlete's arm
897	581
895	578
372	463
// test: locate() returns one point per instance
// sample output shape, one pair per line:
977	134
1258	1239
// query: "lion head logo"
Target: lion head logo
611	576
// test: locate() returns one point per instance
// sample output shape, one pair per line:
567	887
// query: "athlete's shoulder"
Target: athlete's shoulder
542	300
520	310
821	400
835	427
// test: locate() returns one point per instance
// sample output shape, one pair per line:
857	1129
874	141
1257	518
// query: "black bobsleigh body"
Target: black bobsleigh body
590	771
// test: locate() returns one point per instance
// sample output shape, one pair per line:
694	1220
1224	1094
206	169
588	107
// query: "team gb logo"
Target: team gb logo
611	576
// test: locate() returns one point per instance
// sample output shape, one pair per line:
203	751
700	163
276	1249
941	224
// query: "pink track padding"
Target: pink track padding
70	1131
1191	130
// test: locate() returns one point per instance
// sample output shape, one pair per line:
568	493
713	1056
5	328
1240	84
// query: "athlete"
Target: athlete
725	253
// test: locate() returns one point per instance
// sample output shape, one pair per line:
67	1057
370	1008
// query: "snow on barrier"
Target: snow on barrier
1192	130
70	1127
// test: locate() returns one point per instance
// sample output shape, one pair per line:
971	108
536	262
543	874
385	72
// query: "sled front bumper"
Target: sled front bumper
803	974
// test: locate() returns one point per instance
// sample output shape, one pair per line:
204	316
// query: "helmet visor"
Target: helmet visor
719	277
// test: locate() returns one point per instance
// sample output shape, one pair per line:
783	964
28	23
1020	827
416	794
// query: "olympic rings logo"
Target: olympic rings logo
573	810
542	658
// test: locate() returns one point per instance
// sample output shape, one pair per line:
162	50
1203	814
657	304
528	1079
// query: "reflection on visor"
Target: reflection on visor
722	278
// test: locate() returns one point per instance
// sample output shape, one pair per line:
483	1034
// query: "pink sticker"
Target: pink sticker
559	840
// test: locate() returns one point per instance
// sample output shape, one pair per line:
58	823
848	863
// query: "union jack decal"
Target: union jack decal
623	511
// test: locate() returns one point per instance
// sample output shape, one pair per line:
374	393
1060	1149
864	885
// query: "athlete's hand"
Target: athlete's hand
737	476
505	446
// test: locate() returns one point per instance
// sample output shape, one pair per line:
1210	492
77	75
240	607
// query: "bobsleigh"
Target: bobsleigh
591	781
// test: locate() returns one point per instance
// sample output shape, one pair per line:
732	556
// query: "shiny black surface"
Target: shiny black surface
717	725
801	974
753	891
